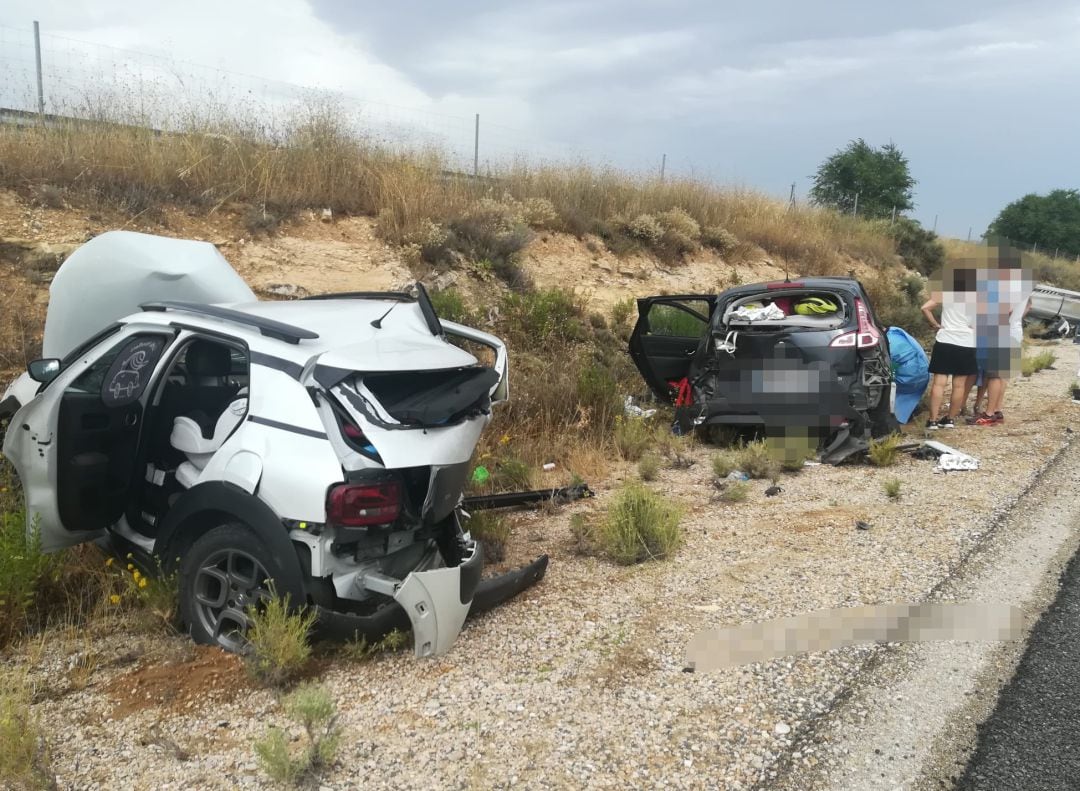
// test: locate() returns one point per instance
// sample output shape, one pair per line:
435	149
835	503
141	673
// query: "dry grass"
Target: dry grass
315	159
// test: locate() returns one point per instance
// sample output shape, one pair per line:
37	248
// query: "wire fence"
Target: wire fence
84	80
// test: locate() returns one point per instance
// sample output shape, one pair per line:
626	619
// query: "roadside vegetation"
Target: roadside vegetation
1037	362
278	641
312	708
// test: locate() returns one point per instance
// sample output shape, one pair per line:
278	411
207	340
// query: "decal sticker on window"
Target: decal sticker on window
130	372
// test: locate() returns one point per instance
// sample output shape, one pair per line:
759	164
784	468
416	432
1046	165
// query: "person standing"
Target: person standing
953	354
1012	290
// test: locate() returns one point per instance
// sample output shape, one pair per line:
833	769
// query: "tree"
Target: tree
1051	221
879	176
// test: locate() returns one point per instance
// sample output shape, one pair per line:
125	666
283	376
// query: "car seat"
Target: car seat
199	441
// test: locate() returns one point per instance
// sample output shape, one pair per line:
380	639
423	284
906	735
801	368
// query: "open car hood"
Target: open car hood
112	274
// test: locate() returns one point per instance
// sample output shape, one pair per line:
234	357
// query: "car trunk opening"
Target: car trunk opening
804	309
433	398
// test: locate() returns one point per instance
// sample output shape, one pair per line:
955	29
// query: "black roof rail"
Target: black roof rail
400	296
268	327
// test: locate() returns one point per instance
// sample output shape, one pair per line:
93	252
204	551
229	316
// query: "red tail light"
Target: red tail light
866	337
363	504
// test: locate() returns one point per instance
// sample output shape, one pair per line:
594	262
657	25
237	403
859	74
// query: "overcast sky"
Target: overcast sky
981	96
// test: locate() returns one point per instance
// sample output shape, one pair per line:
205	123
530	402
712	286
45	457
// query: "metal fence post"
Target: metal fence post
855	211
37	61
476	148
935	224
969	233
791	197
663	166
891	221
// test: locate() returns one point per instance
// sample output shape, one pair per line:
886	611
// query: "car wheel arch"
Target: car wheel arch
213	504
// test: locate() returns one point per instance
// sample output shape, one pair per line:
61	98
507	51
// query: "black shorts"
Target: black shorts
948	358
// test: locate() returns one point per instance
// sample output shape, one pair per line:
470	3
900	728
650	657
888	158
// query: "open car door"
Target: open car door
668	332
75	444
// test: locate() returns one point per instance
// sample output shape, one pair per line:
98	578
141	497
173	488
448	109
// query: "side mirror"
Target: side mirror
44	371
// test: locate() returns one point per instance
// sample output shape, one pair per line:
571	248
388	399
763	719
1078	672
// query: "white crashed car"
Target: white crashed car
317	447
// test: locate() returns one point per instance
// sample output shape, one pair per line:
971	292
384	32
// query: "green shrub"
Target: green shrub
598	395
919	248
756	460
311	707
649	467
725	463
632	437
735	492
892	488
674	322
511	474
493	531
23	568
621	312
885	452
720	239
646	229
491	231
278	647
544	316
450	305
1037	362
640	525
25	761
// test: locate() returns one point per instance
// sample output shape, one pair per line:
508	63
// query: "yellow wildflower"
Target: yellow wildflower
130	556
504	439
135	575
130	567
142	582
114	599
109	562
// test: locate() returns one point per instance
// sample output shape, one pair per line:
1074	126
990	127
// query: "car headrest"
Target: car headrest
206	358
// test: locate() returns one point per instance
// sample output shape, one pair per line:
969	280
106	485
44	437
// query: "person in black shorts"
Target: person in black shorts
953	354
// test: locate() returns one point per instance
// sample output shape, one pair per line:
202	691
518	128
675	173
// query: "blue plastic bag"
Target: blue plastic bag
911	372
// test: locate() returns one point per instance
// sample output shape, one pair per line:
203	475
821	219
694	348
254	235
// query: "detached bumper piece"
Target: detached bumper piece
430	603
559	495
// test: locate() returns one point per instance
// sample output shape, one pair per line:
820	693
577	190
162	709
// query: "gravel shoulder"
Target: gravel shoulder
579	682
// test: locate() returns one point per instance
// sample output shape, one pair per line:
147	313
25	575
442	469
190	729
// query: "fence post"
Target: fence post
1035	247
663	166
476	148
935	225
893	218
855	211
791	197
37	62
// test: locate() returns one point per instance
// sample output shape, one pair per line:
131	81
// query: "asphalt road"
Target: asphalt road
1032	739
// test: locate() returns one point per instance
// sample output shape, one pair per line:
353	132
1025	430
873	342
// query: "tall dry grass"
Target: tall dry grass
315	158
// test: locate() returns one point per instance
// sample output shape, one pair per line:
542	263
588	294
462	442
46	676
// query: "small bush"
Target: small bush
583	534
892	488
597	321
491	530
1038	362
646	229
540	213
621	312
511	474
311	707
450	305
640	525
632	437
919	248
25	761
598	396
680	236
260	220
735	492
278	646
539	318
649	467
720	239
884	452
723	464
756	460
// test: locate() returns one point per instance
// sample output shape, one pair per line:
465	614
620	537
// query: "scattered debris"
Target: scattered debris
327	215
560	495
549	466
634	410
861	525
772	491
481	475
737	475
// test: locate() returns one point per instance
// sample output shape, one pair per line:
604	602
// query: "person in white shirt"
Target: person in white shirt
953	354
1012	299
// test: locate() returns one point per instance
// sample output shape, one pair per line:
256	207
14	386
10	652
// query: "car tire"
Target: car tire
224	572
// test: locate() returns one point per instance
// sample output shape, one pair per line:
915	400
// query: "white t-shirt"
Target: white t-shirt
1018	293
958	312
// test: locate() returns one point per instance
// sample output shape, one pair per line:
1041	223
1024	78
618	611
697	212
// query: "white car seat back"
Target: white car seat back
187	436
